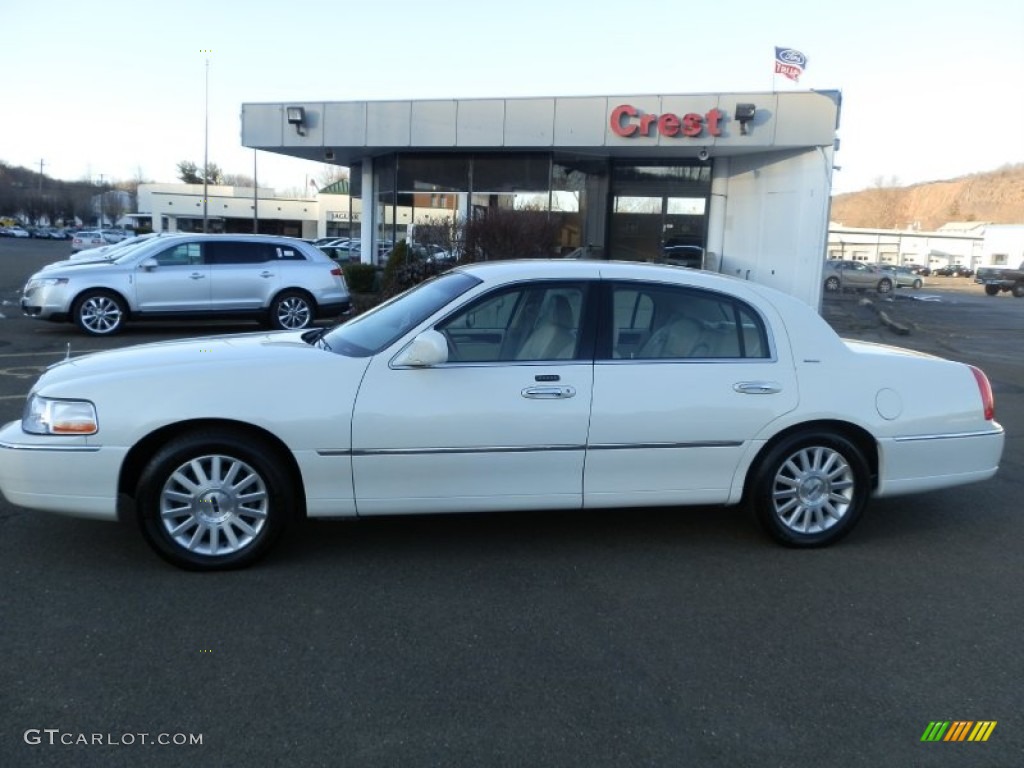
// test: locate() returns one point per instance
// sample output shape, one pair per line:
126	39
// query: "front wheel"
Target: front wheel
918	284
884	285
99	313
291	311
213	500
832	284
1018	290
809	490
991	290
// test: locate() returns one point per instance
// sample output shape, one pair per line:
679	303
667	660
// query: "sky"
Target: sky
118	90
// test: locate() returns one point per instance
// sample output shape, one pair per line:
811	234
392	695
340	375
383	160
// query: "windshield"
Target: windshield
371	332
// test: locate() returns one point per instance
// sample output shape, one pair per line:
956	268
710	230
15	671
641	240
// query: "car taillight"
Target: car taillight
988	400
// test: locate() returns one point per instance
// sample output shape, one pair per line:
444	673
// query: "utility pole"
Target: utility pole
206	145
41	164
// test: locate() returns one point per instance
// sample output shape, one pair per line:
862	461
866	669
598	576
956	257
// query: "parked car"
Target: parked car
844	274
14	232
281	280
535	384
86	239
904	277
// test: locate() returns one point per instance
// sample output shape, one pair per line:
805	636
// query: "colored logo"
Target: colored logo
958	730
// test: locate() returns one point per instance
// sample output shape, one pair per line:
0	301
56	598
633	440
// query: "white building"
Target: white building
745	177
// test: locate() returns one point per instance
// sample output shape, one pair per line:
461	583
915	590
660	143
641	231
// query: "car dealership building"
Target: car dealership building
742	178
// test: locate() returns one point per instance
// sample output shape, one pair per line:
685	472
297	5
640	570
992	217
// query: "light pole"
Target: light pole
206	144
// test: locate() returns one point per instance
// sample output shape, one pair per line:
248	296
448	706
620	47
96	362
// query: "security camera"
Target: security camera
703	155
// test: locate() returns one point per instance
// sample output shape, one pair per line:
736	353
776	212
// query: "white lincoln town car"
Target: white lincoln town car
502	386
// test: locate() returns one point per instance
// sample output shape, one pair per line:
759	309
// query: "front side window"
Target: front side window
534	321
661	322
184	255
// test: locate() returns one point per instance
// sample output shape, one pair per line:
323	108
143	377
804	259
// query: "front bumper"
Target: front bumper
66	475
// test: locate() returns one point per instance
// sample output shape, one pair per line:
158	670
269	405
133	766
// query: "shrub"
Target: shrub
361	278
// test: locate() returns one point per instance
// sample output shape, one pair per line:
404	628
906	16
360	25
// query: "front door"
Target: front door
502	425
179	282
659	213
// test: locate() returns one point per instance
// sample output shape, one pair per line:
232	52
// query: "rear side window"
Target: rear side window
227	252
664	322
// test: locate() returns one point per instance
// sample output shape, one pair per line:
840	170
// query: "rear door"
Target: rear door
244	275
684	379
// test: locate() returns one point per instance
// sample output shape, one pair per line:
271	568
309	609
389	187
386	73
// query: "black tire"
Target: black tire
809	490
918	283
991	290
885	285
1018	290
292	311
832	284
239	480
99	313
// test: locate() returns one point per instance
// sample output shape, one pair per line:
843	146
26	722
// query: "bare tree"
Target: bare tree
330	174
505	233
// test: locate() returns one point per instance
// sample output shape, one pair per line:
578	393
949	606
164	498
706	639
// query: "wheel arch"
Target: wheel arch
294	289
143	451
73	305
857	435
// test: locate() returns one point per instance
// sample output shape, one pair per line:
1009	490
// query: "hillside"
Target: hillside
994	196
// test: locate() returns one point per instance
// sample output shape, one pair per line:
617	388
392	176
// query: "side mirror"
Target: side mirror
428	349
149	265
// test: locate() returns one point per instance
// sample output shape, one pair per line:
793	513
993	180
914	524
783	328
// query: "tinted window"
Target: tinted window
227	252
657	322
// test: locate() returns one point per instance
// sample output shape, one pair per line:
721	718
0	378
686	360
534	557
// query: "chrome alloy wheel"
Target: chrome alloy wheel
214	505
100	314
812	490
293	313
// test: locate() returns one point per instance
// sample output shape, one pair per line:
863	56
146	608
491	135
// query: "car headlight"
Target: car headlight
39	282
45	416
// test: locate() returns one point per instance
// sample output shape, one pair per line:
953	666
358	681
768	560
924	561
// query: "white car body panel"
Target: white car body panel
371	437
463	437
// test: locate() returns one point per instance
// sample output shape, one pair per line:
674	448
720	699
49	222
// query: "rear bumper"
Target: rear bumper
931	462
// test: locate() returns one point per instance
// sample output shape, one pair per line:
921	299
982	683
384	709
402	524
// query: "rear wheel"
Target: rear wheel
992	290
884	285
291	311
832	284
1018	290
213	500
809	490
918	283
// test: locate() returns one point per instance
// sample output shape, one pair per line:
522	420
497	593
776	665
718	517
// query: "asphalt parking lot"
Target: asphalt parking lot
658	637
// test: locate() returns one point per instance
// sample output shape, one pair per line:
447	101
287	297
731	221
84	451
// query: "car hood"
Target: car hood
162	362
92	260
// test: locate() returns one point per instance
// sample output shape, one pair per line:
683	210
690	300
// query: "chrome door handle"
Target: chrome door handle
757	387
265	273
549	393
197	275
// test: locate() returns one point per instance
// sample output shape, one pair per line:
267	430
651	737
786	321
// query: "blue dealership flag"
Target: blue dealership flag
789	62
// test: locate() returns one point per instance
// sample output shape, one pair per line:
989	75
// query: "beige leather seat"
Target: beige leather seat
554	337
677	338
